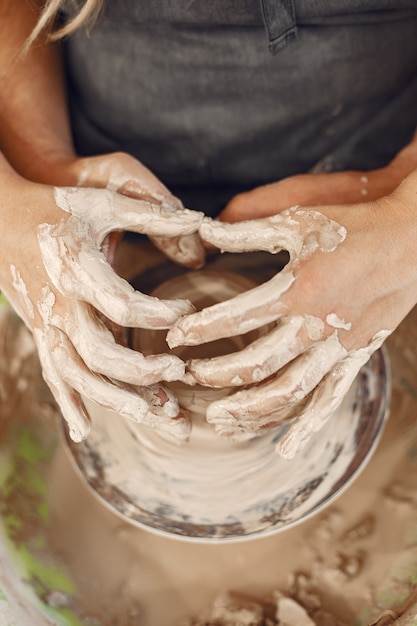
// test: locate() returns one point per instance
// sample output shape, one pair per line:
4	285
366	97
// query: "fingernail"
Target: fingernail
78	433
175	337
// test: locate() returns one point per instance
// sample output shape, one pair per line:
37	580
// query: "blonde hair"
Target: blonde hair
47	18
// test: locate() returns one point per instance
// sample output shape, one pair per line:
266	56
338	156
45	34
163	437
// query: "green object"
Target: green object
25	516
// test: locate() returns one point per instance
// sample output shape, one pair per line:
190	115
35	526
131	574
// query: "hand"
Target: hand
54	273
317	189
122	173
351	279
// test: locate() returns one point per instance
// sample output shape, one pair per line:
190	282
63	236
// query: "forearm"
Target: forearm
345	187
35	132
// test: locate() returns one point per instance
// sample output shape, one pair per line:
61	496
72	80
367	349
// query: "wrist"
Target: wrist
58	169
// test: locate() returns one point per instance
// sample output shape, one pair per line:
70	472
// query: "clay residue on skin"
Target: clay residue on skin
259	307
298	231
327	397
291	373
117	172
254	409
221	371
121	212
26	311
333	320
128	177
260	358
78	353
306	359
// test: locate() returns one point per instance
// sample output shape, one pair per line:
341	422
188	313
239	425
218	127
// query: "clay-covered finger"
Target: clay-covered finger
86	274
119	301
119	212
269	403
73	411
69	401
131	403
101	391
253	235
102	355
241	314
257	361
163	403
187	251
160	221
299	231
164	413
325	400
327	397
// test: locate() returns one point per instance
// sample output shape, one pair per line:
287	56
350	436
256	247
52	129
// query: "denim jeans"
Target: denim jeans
220	96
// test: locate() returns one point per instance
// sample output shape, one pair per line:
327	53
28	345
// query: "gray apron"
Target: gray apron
220	96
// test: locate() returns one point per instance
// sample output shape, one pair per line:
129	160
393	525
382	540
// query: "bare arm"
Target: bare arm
34	125
330	188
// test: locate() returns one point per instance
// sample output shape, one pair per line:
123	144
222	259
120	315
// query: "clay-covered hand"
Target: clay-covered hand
54	272
351	279
124	174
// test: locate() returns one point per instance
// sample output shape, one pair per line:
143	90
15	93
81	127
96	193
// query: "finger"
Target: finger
73	411
259	360
98	349
119	301
299	231
118	212
270	235
122	400
324	401
241	314
86	274
101	391
68	400
267	404
163	404
139	190
187	251
259	202
160	399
